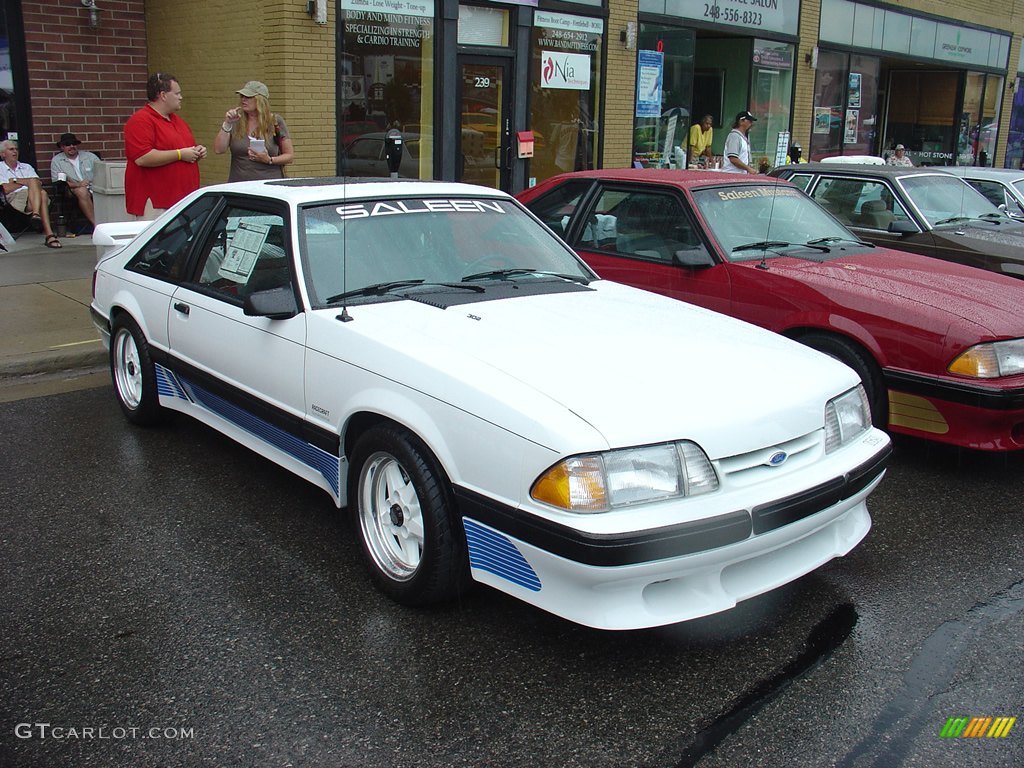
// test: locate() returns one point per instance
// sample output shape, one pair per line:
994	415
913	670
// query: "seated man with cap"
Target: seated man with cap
898	158
75	168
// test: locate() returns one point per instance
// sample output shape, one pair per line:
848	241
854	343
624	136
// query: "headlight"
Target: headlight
603	481
991	360
846	417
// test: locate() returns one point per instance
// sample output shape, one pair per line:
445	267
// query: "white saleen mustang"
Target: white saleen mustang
484	405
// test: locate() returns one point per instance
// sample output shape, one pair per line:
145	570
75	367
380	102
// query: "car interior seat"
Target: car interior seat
875	214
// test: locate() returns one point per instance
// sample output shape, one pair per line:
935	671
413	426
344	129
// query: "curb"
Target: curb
52	361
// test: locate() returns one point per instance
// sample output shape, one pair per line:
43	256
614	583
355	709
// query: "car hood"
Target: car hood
889	278
636	367
1005	240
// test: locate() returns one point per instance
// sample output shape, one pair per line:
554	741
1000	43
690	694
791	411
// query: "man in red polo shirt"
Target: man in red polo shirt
162	152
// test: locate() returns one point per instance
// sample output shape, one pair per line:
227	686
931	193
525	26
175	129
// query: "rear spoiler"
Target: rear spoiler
110	238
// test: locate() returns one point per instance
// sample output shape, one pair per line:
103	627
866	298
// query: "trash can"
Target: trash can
108	191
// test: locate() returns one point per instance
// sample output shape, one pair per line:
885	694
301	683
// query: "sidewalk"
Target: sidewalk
44	309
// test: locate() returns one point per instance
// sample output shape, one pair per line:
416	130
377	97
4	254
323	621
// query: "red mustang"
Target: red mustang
939	346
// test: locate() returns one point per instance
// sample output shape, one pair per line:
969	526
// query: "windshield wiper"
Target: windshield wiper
377	289
998	218
504	274
761	245
827	240
952	220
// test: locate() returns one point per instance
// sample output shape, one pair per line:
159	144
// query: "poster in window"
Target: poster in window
822	119
853	98
852	120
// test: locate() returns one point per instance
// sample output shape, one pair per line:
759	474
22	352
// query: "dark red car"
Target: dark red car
939	346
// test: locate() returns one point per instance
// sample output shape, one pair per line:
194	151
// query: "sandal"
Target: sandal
52	242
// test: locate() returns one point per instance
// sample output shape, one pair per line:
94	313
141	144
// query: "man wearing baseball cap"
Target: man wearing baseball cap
898	158
737	145
74	167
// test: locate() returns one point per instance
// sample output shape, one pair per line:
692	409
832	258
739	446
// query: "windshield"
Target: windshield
941	198
744	214
350	246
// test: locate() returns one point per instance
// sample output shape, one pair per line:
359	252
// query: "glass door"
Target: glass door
485	144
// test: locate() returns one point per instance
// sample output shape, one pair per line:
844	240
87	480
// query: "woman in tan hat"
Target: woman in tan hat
258	139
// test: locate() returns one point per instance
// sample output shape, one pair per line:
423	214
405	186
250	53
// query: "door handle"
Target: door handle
181	307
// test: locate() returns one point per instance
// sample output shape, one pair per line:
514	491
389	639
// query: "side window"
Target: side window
992	190
245	253
801	180
166	254
557	207
877	208
647	225
840	197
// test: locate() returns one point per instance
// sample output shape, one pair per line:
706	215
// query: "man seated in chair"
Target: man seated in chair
77	167
24	190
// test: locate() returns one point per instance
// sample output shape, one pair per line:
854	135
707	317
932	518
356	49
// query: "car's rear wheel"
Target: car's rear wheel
134	375
864	366
406	519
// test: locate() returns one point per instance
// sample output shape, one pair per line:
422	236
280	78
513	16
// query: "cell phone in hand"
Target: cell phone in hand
257	145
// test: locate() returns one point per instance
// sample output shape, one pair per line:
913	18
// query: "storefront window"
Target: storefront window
663	115
979	121
829	103
565	75
1015	140
771	97
386	80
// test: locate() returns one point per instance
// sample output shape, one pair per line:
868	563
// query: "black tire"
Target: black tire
133	373
404	514
846	351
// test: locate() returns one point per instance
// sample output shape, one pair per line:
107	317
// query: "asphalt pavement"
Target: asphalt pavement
44	309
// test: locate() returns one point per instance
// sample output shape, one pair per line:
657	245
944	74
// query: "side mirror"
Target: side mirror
694	258
903	227
274	303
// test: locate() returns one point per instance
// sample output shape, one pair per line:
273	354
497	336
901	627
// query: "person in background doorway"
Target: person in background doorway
253	119
24	190
700	141
795	155
899	158
162	152
737	145
77	169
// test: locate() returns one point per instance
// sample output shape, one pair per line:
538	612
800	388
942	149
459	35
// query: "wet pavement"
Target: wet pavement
213	608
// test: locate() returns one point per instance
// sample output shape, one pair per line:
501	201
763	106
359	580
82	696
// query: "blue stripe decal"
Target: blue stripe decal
323	462
167	384
495	553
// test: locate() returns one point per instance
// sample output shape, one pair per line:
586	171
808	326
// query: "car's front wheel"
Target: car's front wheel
864	366
406	519
134	374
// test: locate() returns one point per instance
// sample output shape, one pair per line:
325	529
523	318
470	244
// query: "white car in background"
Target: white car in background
485	406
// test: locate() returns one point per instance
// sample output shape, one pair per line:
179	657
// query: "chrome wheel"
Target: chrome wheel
127	369
390	517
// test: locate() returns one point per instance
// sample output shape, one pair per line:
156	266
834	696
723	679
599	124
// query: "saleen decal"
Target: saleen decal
758	192
400	207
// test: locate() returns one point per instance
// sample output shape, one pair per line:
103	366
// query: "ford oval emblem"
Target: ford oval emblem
777	459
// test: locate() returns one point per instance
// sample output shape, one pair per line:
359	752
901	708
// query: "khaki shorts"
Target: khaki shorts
18	199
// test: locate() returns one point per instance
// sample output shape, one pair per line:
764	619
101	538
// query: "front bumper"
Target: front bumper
652	578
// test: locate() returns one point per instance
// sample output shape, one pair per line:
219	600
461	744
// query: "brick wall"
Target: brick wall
83	79
215	46
620	93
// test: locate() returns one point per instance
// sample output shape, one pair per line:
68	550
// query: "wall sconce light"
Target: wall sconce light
628	36
94	12
317	10
811	57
